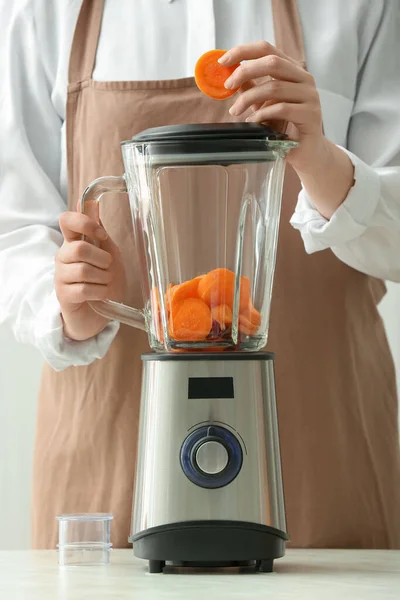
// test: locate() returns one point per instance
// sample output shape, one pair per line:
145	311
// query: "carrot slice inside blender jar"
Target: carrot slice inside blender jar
190	320
217	287
222	314
185	290
244	293
252	314
246	327
168	296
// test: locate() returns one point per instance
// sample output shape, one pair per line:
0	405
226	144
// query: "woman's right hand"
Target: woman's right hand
84	272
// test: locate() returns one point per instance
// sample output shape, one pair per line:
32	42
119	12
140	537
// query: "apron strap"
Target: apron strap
288	30
289	39
85	40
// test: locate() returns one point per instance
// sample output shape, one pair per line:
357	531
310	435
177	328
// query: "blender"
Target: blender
205	202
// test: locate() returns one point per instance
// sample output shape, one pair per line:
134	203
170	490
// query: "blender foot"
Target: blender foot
266	566
156	566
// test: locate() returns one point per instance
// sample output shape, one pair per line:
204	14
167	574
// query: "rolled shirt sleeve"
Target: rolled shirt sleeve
364	232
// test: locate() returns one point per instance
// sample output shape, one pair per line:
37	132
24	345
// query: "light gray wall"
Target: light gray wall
20	368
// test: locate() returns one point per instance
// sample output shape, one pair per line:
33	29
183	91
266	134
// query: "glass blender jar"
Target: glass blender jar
205	202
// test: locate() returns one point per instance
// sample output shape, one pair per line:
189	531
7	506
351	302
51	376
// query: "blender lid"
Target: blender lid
211	143
209	131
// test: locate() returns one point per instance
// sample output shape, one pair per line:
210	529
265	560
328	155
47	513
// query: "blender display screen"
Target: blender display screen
204	388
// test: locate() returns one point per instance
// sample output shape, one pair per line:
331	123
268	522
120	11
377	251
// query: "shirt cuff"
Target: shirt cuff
61	352
349	221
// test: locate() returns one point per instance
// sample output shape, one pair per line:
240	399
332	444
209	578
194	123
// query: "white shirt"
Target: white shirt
352	49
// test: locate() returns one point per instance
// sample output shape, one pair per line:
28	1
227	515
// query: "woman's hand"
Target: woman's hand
85	272
276	88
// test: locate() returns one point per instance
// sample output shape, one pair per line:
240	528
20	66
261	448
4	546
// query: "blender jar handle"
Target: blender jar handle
89	205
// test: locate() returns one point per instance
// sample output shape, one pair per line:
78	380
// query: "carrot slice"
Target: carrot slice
190	320
252	314
185	290
207	349
217	287
210	76
222	314
246	327
244	293
168	296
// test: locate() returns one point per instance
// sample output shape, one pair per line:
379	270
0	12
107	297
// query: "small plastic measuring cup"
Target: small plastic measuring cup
84	539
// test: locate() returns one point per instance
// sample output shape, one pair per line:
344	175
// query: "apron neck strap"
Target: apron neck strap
288	30
85	40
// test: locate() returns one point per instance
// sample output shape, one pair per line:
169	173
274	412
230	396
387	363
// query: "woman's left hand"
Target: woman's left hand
277	88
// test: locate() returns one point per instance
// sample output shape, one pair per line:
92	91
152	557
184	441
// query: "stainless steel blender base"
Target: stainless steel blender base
208	482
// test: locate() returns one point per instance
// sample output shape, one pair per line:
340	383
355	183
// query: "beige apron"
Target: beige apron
335	378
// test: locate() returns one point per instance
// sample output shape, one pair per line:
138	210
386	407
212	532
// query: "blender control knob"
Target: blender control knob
212	457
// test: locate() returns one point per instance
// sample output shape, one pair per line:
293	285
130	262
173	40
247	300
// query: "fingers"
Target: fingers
251	51
272	92
77	281
78	293
84	252
248	86
306	120
82	270
268	66
83	273
74	225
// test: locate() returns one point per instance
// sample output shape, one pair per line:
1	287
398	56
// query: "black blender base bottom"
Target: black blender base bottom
210	545
261	566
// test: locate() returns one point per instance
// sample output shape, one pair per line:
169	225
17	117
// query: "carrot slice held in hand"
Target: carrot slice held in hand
210	76
190	320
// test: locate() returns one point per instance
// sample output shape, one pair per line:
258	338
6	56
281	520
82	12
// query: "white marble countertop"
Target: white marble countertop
302	574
